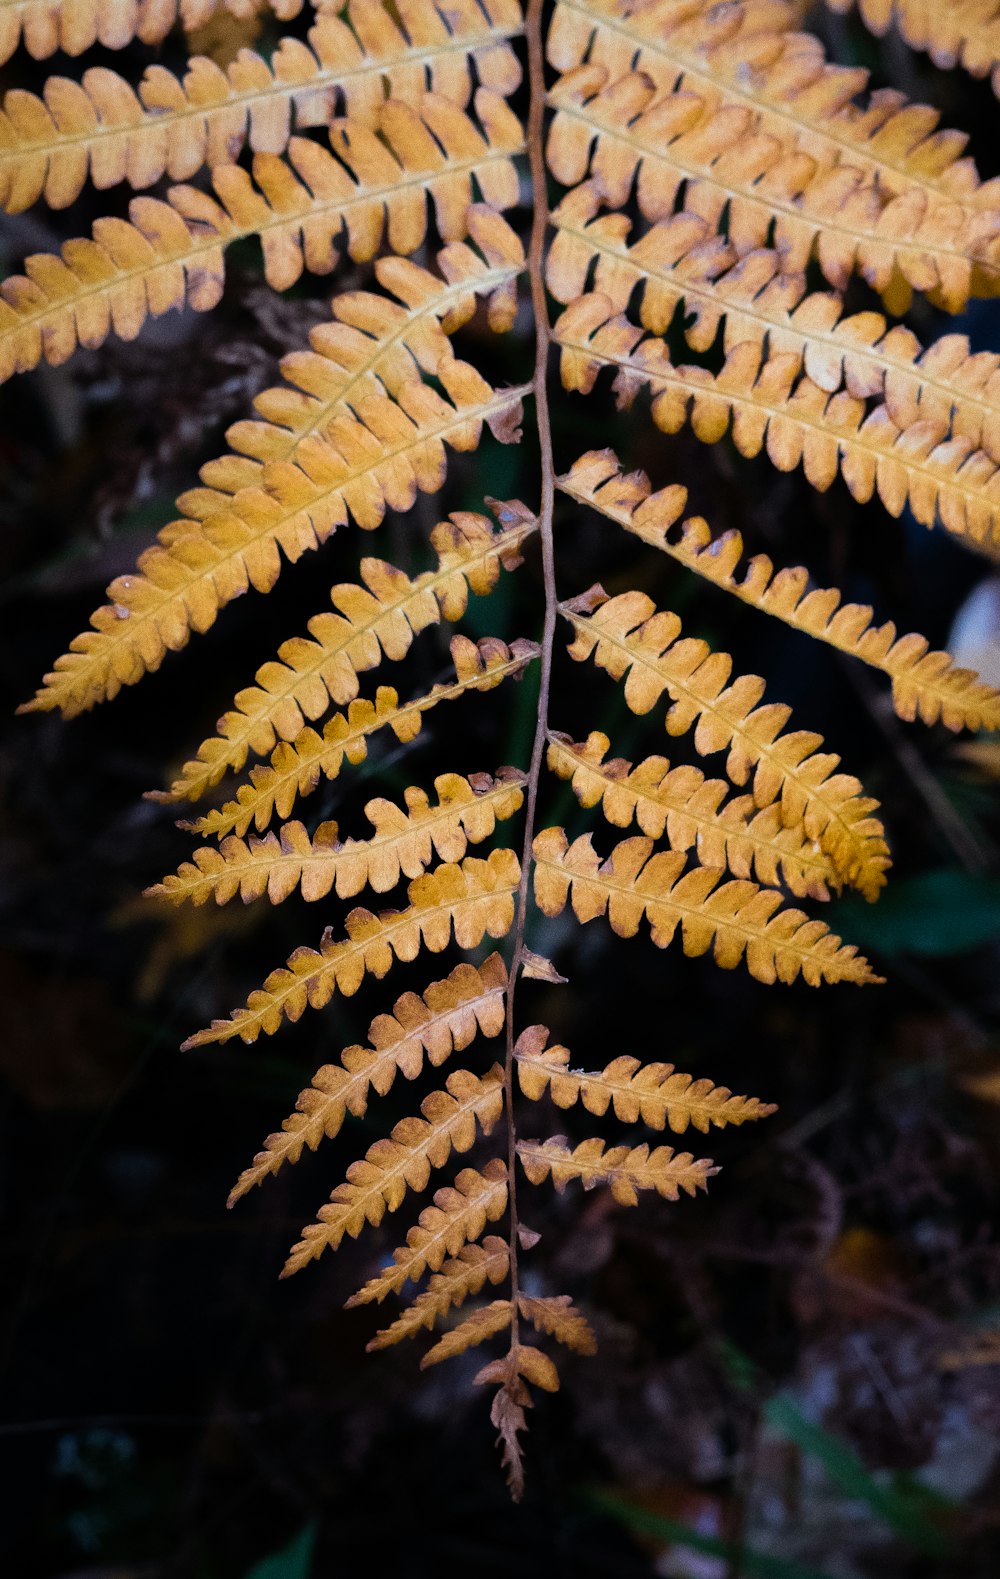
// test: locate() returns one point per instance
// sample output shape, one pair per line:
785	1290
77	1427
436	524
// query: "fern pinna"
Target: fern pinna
716	184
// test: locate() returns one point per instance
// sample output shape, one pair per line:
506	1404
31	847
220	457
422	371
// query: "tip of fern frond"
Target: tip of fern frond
45	701
199	1039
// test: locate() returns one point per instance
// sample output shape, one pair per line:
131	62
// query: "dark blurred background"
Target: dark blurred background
798	1374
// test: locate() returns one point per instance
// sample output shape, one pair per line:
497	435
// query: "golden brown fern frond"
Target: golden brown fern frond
769	403
925	684
453	1223
624	1170
103	130
354	433
378	618
73	26
303	208
403	1161
476	899
475	1329
459	1278
680	262
773	89
296	767
671	141
628	638
694	813
656	1094
444	1019
962	33
556	1315
736	920
403	845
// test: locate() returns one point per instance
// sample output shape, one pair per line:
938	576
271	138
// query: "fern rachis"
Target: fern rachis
774	166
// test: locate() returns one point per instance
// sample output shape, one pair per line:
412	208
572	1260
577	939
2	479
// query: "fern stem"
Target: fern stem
543	341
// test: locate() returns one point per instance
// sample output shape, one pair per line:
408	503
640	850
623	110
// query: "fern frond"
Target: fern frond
458	1280
962	33
510	1401
404	844
656	1094
771	404
75	25
925	684
734	919
556	1315
446	1018
675	140
879	175
694	813
403	1161
475	898
296	768
354	434
455	1221
170	254
470	1333
104	130
377	618
681	262
627	638
624	1170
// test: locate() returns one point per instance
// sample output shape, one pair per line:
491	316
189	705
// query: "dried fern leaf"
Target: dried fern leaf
446	1018
926	685
879	176
674	141
458	1280
680	262
403	1161
453	1223
510	1401
962	33
73	26
694	813
403	845
296	768
770	404
556	1315
656	1094
104	130
378	618
624	1170
370	184
630	640
474	1330
735	919
354	434
476	899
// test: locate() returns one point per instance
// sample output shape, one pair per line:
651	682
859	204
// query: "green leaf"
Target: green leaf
901	1506
751	1564
942	912
293	1561
902	1502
